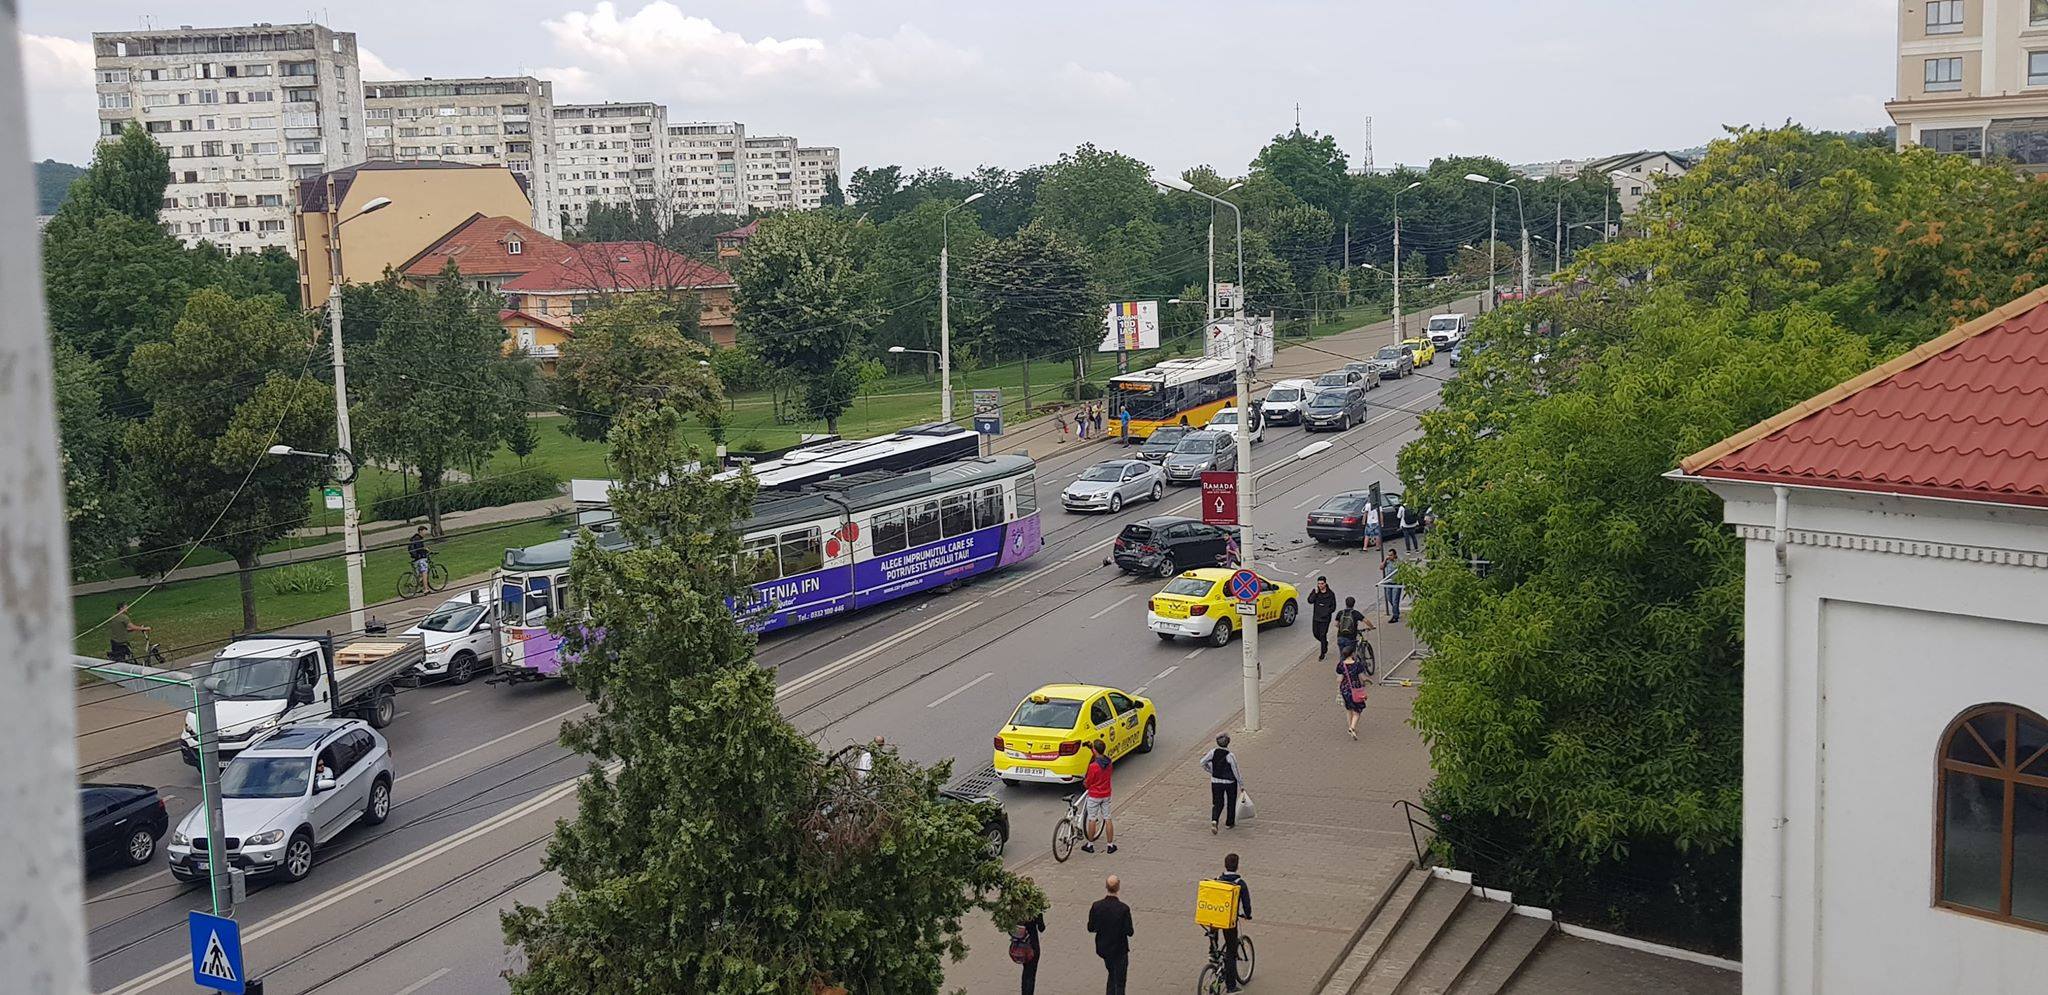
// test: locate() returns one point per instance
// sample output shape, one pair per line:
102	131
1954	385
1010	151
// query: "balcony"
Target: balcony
305	158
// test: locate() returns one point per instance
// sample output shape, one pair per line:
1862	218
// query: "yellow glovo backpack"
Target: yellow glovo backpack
1216	904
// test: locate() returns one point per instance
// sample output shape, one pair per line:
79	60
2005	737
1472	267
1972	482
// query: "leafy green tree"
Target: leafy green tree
127	177
1311	166
1010	198
1301	237
112	283
805	306
1091	192
833	196
91	448
522	438
715	847
628	351
200	455
1037	299
903	262
435	391
250	274
874	186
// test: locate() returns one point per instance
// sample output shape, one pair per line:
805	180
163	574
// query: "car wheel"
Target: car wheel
1220	635
462	669
383	708
1344	425
379	808
1289	612
1116	503
141	846
298	857
1158	490
1165	568
1012	782
997	842
1151	739
1164	637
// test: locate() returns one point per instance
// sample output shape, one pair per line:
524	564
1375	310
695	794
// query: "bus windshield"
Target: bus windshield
1146	403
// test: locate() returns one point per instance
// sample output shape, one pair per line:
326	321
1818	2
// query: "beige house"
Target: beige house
1973	78
428	198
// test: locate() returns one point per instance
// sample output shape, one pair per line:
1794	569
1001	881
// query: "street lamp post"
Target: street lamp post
351	516
945	311
1527	290
1492	227
1397	258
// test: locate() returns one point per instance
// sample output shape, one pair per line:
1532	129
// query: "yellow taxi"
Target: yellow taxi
1425	351
1197	604
1047	736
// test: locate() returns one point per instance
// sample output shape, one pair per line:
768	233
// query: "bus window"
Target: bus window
801	552
924	523
886	533
757	561
988	507
1027	495
957	511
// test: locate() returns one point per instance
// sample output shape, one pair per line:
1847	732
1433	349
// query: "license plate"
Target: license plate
1014	754
199	865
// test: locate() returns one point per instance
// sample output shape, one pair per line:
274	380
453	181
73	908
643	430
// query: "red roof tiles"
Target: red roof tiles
1963	416
482	246
596	267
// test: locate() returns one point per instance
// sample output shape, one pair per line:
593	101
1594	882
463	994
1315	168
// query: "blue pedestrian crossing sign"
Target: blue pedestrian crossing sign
217	953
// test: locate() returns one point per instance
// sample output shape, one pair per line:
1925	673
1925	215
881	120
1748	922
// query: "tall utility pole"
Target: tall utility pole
208	731
351	516
43	944
1492	240
945	312
1397	258
1557	246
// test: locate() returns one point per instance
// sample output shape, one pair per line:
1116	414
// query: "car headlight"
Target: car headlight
178	838
264	838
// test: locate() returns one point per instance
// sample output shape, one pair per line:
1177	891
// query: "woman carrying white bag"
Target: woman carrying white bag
1228	801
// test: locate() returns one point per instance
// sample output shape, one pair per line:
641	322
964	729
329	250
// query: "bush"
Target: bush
300	578
750	444
527	484
1087	391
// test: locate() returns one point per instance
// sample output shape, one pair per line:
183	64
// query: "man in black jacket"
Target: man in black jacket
1244	911
1110	920
1322	603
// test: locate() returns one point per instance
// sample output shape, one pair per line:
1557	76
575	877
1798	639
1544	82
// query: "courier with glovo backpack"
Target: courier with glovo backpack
1219	906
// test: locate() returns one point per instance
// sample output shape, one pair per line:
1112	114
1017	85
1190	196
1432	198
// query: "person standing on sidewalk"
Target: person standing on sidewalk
1350	622
1372	527
1411	528
1081	422
1244	911
1095	807
1095	411
1026	936
1123	421
1225	780
1110	920
1061	421
1322	603
1351	681
1394	589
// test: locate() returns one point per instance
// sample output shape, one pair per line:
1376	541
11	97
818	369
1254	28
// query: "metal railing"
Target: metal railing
1408	810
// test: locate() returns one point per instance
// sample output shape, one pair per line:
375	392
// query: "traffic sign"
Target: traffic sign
988	411
217	953
989	424
1244	586
1248	609
1219	497
332	497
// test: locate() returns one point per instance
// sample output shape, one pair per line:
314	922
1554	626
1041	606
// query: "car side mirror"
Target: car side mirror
323	784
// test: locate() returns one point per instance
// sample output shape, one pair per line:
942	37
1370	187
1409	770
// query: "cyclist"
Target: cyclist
417	549
1244	911
123	629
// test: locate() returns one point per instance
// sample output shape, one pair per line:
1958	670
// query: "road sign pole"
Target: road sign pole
1244	508
209	789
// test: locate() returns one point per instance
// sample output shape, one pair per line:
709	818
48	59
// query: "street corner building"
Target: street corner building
1895	715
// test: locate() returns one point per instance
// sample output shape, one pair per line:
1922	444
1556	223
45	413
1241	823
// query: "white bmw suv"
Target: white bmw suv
287	793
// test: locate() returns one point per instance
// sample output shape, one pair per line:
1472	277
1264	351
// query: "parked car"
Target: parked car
1341	517
1199	452
461	637
1393	362
1106	486
288	793
1425	352
1367	373
123	823
1336	380
995	823
1167	544
1198	605
1160	443
1335	409
1284	401
1226	421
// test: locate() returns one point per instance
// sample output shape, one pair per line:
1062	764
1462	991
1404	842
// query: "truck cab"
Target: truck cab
262	682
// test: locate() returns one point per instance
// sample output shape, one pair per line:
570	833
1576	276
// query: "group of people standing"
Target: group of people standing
1355	664
1088	419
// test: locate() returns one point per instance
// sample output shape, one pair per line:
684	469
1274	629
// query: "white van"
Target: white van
1448	329
1285	401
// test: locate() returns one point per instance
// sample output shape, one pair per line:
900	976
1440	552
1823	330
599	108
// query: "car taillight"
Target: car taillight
1148	548
1351	519
999	742
1199	610
1151	605
1070	747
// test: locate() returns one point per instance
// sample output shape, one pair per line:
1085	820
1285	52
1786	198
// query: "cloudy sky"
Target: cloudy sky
957	83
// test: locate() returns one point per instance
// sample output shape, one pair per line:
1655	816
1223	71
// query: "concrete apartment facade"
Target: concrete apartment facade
703	162
428	198
1973	78
1635	174
610	154
243	111
490	121
768	162
813	166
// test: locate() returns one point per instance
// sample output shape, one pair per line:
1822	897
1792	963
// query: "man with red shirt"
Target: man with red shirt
1095	807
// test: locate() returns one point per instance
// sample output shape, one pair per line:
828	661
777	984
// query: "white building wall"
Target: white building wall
243	112
489	121
1642	179
610	154
1900	614
813	166
704	167
769	164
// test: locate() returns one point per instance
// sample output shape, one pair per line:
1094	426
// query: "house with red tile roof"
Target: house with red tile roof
729	244
488	250
1895	681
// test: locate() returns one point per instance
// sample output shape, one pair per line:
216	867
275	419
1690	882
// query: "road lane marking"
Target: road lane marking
1164	674
834	668
1113	607
1310	501
402	714
424	982
1197	651
948	696
450	697
1332	559
557	718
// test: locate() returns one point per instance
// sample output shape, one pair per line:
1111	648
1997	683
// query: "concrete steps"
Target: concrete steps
1431	934
1412	940
1469	932
1496	964
1366	946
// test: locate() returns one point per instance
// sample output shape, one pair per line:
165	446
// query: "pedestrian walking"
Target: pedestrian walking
1110	920
1244	911
1123	419
1025	949
1352	679
1225	780
1350	622
1081	423
1393	588
1411	528
1095	411
1095	807
1061	421
1322	603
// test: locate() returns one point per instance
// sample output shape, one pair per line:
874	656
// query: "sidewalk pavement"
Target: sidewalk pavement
1327	837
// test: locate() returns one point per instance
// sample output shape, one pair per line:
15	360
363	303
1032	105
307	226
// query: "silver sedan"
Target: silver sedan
1108	485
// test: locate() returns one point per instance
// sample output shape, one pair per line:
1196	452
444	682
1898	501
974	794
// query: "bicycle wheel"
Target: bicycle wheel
1211	981
155	657
408	584
1244	960
437	577
1063	836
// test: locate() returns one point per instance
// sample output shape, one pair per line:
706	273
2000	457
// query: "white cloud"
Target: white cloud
53	63
62	108
818	8
374	68
1094	84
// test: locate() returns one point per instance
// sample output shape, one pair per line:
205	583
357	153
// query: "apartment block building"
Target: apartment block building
768	162
243	112
1973	78
612	153
703	160
813	165
491	121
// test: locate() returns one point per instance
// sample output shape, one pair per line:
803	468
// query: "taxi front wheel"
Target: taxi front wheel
1151	736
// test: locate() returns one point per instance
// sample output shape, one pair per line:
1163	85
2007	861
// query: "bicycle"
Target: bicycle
409	583
1071	828
152	655
1211	981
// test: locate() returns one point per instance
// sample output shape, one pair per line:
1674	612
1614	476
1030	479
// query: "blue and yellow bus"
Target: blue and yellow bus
1175	391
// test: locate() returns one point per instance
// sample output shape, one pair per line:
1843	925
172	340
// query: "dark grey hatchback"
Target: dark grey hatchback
1338	408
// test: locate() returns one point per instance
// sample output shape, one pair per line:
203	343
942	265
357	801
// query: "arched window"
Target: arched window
1991	826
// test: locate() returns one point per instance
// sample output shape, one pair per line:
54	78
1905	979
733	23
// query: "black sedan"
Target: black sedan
1341	518
1168	544
1161	442
123	823
995	823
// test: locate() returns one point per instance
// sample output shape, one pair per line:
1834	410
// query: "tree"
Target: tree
1090	192
91	441
833	196
1036	299
127	177
628	351
715	848
113	283
436	388
251	274
873	186
1301	237
806	307
200	458
53	184
1309	165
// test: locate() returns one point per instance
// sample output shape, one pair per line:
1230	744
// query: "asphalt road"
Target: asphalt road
411	906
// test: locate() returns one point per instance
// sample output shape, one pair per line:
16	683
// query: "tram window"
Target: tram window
801	552
757	561
1027	495
539	595
565	598
924	523
887	532
957	510
512	603
988	507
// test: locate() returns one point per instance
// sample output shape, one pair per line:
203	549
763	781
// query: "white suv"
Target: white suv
1284	401
1227	420
287	793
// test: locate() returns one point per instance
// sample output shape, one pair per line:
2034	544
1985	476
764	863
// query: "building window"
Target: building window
1955	141
1991	820
1944	74
2037	68
2037	11
513	247
1944	17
